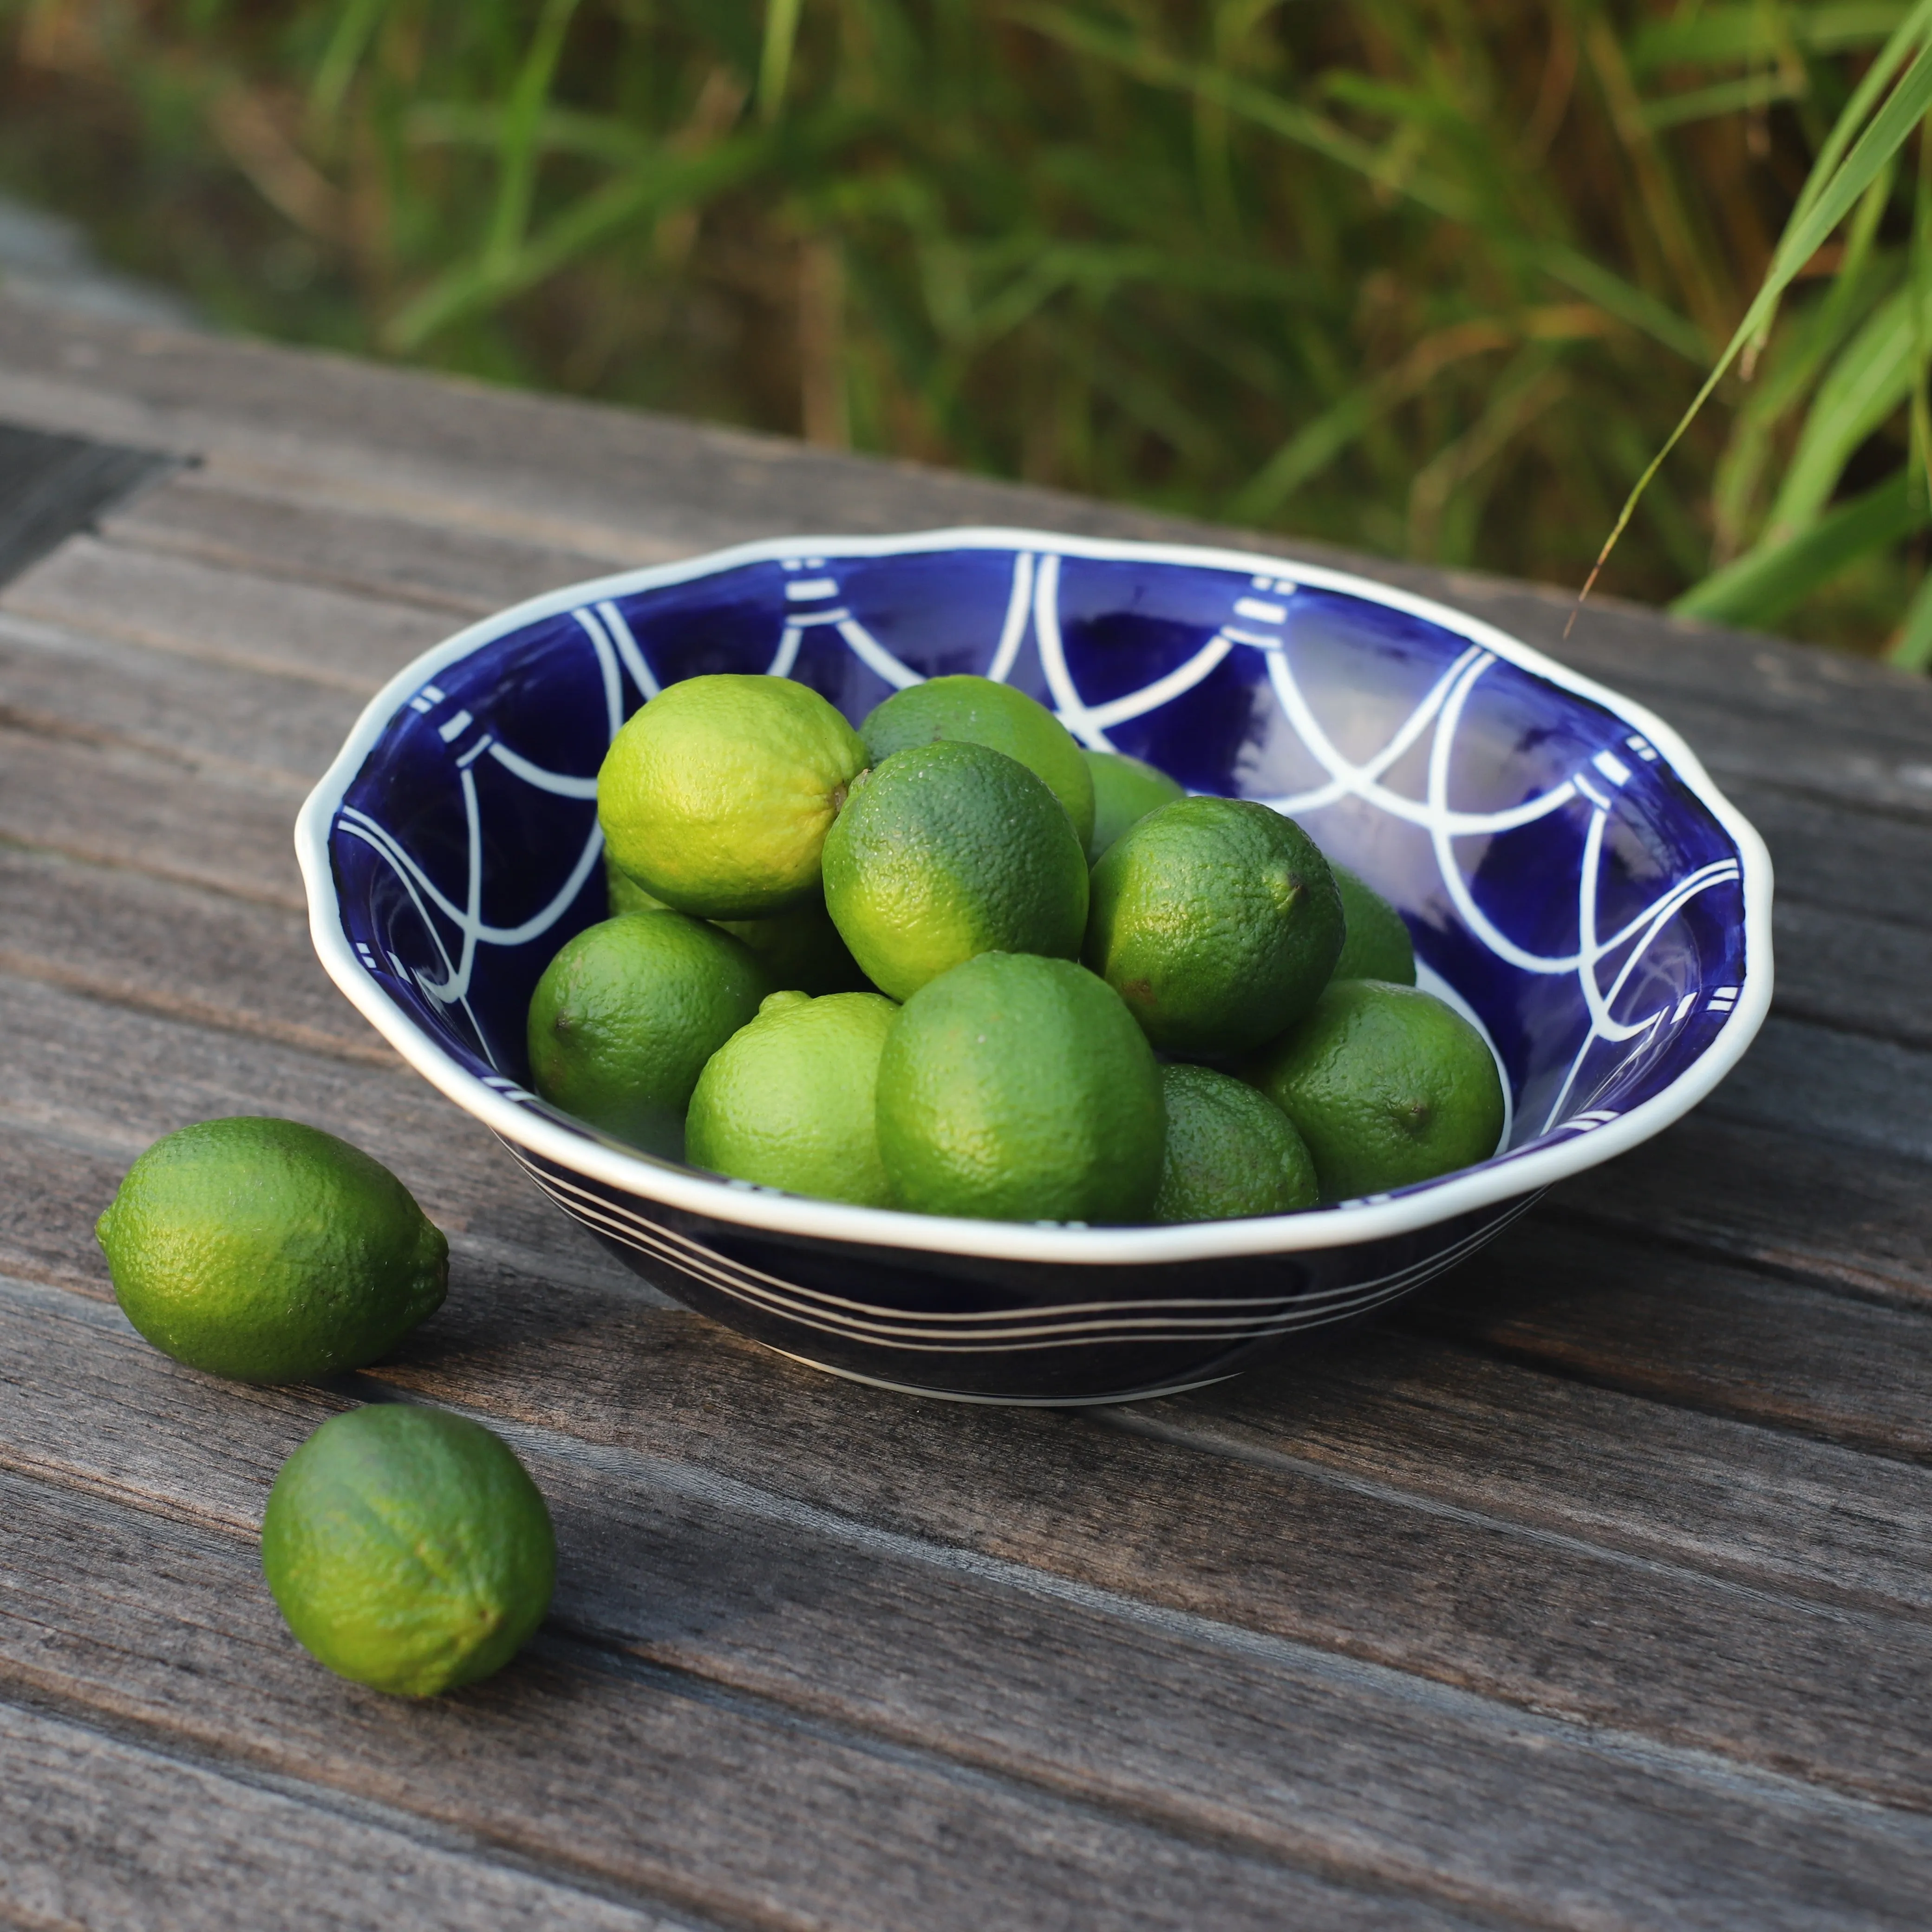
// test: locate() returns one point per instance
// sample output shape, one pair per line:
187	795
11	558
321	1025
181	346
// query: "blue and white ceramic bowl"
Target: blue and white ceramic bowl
1574	883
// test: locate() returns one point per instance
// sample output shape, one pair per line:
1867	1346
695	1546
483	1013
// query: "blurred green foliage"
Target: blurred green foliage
1434	278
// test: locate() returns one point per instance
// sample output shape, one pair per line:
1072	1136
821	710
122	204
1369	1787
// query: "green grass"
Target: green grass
1434	278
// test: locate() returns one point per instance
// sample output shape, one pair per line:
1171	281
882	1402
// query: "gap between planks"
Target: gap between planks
1534	1738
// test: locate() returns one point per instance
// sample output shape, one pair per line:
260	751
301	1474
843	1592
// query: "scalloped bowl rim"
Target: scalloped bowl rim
1503	1176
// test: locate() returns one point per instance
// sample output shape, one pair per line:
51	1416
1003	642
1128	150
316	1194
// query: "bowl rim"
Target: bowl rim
1503	1176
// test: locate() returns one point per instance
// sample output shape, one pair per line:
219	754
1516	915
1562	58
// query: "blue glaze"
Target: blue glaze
1582	896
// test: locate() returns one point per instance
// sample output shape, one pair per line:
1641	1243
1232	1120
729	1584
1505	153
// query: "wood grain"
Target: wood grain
343	642
276	732
717	1800
310	536
105	1831
1210	1734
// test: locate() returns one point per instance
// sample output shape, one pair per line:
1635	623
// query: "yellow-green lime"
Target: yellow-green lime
1231	1151
623	894
1125	790
1217	920
1376	945
716	796
947	851
978	711
1387	1084
270	1252
800	949
788	1100
627	1012
1018	1088
408	1549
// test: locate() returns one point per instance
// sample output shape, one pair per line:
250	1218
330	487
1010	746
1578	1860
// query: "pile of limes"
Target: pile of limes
953	962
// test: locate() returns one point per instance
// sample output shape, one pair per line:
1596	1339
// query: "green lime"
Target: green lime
623	894
1217	921
1017	1088
270	1252
408	1549
1377	945
1125	790
947	851
1231	1151
1388	1085
799	949
715	797
626	1015
977	711
787	1101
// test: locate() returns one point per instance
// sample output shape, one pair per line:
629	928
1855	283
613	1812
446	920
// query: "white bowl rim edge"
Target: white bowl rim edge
1503	1178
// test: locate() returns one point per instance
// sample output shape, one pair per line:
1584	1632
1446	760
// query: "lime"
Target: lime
623	894
947	851
270	1252
626	1015
1388	1086
1377	945
1125	790
1217	921
976	711
715	797
787	1101
799	949
1231	1151
408	1549
1016	1088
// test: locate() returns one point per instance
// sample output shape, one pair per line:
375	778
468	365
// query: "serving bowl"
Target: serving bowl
1574	883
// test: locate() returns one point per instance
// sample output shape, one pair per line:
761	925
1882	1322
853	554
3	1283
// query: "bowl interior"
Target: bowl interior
1572	890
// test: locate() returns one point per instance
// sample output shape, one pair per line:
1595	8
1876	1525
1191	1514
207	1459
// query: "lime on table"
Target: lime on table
716	796
270	1252
627	1012
408	1549
1019	1088
1231	1151
947	851
1376	945
1217	920
978	711
788	1100
1387	1084
1125	790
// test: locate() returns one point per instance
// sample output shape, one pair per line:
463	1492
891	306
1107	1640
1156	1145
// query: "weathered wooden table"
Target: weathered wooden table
1594	1591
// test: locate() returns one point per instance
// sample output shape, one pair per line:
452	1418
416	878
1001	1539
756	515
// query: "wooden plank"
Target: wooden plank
330	637
104	1831
1860	975
238	523
278	732
1459	1594
115	805
1408	1411
1820	1082
175	949
639	1775
1631	1315
1844	860
1080	1695
1853	1219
